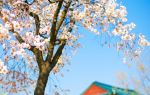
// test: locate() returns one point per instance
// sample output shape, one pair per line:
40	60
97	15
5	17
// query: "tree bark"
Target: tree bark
41	82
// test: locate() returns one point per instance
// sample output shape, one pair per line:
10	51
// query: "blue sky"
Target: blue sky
95	63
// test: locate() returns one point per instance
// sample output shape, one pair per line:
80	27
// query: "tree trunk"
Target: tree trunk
41	82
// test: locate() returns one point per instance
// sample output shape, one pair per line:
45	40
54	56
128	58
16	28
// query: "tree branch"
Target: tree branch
54	1
53	32
63	15
60	49
38	54
18	37
39	57
37	21
58	53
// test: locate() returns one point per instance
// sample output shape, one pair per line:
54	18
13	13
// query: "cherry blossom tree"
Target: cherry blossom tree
35	36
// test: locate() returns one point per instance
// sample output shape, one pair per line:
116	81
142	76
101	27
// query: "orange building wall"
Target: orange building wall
94	90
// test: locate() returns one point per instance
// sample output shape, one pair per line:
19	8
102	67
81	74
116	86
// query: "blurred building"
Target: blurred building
97	88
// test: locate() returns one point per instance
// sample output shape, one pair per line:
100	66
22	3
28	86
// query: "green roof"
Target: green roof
114	90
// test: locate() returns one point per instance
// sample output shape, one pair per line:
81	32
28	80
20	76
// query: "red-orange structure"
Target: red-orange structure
94	90
98	88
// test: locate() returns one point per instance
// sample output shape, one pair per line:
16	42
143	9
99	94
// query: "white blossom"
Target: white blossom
3	69
142	41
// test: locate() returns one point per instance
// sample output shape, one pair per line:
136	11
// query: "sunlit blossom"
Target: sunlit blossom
142	41
3	69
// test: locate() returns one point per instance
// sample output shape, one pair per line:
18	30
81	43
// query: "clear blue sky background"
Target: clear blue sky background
95	63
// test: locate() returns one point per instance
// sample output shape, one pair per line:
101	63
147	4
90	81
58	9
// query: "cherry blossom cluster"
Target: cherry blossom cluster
142	41
34	40
4	33
70	37
3	69
61	62
123	31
